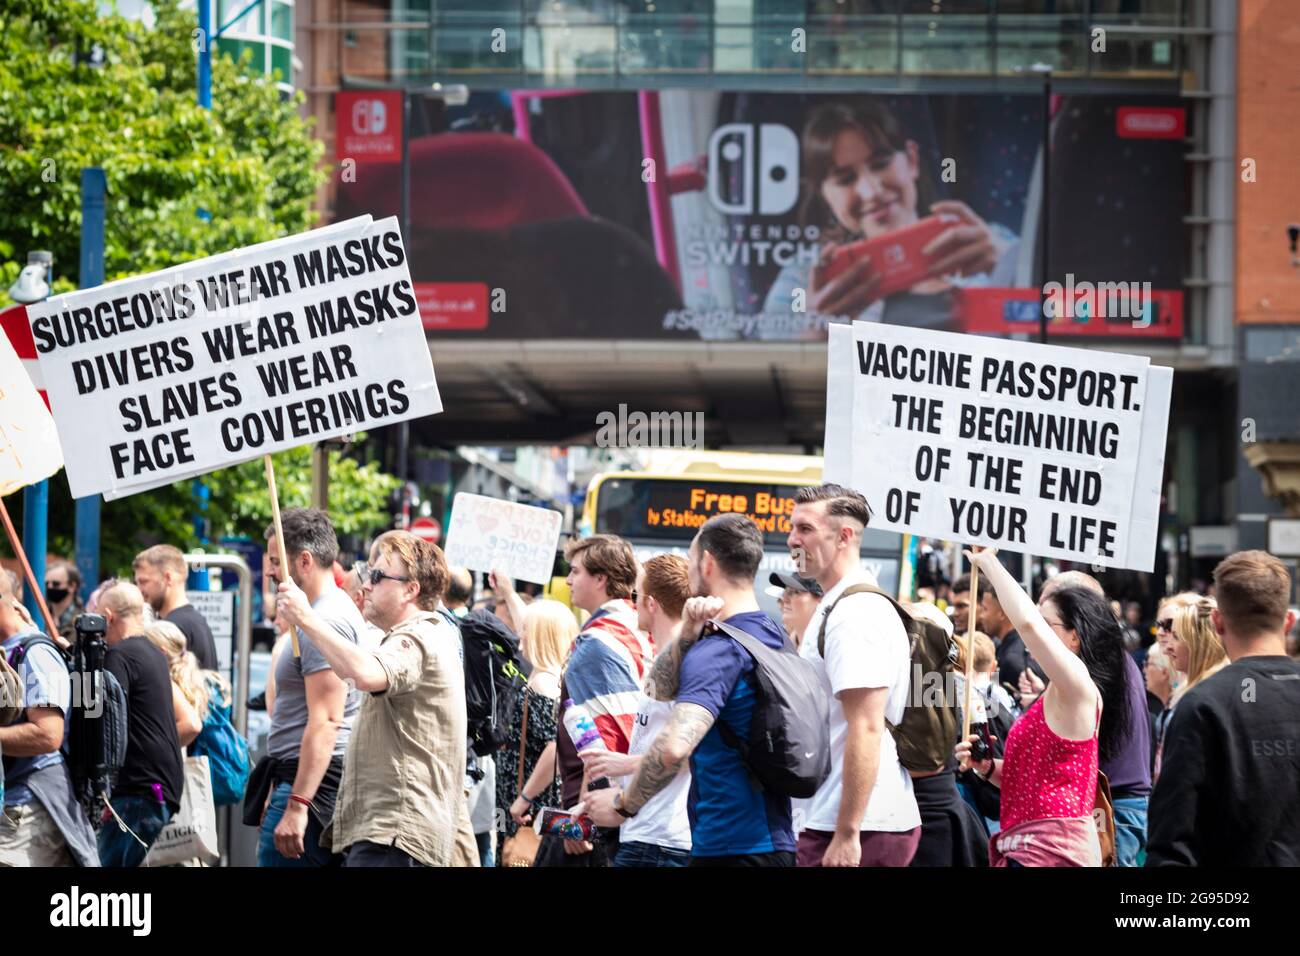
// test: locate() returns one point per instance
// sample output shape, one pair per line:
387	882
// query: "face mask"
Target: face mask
56	594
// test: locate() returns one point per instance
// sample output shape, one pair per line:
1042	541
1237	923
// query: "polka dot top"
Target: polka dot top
1045	776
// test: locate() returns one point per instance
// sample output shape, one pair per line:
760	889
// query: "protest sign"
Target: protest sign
488	534
1033	448
218	609
29	443
166	376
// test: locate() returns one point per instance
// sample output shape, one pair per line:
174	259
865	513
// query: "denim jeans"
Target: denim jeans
313	854
145	816
1130	829
485	855
648	854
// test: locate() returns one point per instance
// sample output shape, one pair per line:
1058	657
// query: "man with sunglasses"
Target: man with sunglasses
354	583
314	709
402	801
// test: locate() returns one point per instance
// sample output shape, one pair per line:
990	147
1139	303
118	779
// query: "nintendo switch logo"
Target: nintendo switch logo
1151	122
738	170
369	117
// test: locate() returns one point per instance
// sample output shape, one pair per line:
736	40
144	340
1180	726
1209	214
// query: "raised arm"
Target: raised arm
1062	666
666	673
349	661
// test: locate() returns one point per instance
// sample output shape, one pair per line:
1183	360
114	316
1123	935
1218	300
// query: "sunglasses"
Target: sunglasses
1166	625
376	576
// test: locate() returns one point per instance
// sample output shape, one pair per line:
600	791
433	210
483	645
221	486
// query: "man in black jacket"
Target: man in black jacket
1229	787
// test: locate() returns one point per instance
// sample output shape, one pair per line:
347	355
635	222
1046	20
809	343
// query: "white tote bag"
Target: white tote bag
192	833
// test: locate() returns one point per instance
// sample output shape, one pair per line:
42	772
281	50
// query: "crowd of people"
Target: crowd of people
629	717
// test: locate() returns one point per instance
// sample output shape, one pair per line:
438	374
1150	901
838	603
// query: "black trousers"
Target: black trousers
551	851
365	853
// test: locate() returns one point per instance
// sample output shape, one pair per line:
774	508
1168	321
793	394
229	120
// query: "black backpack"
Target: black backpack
788	751
95	743
928	732
492	679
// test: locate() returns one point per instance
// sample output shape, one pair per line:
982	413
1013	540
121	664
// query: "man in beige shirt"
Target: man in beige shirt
402	799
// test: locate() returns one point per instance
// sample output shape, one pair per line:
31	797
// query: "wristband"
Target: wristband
295	798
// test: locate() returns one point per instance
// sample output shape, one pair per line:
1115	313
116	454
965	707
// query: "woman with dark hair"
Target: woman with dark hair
862	177
1048	776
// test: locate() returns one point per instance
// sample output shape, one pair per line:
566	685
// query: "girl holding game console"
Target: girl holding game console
862	179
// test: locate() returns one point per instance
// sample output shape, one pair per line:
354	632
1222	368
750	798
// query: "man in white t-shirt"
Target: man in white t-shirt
865	814
660	833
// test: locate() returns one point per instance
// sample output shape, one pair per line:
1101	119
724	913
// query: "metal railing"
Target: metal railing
243	648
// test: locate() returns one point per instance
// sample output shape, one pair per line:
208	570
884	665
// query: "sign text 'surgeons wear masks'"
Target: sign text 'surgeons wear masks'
162	377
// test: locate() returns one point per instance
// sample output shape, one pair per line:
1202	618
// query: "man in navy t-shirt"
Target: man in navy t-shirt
733	822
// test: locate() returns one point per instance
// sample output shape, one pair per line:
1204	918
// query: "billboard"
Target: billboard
720	216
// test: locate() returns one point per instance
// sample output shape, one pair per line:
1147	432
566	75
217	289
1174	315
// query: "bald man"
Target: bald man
148	788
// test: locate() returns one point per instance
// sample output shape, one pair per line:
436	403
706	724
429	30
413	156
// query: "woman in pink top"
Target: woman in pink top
1048	775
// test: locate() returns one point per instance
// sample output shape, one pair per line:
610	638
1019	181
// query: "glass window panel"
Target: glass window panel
946	44
282	21
250	25
1061	42
463	40
655	44
852	44
818	8
1148	13
556	49
282	60
1148	54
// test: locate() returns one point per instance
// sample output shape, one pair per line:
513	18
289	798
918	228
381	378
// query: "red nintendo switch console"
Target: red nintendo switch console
896	256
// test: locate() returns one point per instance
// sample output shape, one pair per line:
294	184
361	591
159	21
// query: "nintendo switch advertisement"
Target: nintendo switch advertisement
720	216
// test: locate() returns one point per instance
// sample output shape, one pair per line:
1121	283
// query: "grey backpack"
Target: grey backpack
788	750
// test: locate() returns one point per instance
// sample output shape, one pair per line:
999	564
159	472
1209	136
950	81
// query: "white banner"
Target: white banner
1032	448
167	376
488	534
29	444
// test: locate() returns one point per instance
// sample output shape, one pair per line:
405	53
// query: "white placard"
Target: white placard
486	534
1032	448
170	375
218	609
1284	537
29	444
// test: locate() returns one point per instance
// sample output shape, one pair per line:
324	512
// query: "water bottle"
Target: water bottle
581	728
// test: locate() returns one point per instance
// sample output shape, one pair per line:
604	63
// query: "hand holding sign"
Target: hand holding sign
503	537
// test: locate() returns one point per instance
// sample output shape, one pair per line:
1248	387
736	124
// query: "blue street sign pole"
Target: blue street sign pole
36	501
206	40
93	189
36	510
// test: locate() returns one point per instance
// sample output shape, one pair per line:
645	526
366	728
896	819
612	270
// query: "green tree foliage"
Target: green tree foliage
251	163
